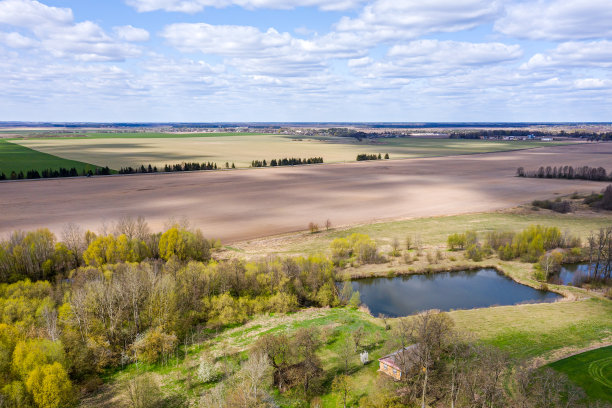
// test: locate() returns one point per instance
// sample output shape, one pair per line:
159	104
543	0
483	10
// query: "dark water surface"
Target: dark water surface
569	273
409	294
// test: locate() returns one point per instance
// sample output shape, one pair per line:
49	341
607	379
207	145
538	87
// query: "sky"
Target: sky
306	60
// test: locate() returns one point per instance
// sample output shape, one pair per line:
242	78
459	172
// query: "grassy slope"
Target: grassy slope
591	370
14	157
433	231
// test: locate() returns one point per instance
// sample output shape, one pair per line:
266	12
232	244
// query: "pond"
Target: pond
409	294
570	274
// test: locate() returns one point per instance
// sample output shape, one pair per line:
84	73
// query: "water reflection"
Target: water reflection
409	294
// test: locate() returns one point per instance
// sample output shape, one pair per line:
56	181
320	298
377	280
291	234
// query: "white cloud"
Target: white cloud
557	20
57	33
574	54
385	20
194	6
131	34
592	83
16	40
455	52
260	52
429	58
31	14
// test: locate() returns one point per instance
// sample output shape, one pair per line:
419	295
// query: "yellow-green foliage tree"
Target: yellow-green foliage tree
154	345
359	246
110	250
50	386
184	244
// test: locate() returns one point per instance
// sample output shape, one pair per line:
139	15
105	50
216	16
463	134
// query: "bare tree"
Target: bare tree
255	370
73	237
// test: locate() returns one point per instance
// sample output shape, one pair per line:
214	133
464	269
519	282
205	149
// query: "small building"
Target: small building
396	364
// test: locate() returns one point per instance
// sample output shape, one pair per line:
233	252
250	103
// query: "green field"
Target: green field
122	150
17	158
591	370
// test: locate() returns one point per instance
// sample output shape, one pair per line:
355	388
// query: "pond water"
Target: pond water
569	273
409	294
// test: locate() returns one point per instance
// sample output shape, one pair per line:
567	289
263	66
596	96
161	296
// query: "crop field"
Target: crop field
17	158
245	204
158	149
592	371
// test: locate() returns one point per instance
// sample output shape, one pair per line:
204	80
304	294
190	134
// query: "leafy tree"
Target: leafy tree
50	386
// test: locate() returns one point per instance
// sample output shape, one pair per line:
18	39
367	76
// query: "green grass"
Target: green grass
592	371
14	157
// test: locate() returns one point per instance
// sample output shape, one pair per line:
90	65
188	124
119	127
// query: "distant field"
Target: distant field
591	370
122	150
14	157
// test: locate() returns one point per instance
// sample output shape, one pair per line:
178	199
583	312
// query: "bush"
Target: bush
355	299
154	345
456	241
474	252
207	369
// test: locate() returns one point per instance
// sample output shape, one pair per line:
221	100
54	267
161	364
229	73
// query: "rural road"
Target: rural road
244	204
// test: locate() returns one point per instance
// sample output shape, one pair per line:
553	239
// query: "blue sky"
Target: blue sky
305	60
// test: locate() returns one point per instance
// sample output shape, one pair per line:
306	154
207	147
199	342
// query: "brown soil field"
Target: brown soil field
243	204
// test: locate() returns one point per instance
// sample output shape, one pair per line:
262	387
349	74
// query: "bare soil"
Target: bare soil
245	204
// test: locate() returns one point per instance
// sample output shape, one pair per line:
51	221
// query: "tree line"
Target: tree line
55	173
566	172
290	161
365	156
496	133
168	168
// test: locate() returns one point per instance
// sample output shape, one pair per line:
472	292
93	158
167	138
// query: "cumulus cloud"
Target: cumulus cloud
574	54
260	52
132	34
194	6
385	20
427	58
57	33
557	20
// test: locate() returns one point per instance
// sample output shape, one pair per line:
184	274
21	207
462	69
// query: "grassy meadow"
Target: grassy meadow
14	157
122	150
591	370
431	231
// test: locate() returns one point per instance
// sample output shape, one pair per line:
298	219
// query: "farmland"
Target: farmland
158	149
239	205
17	158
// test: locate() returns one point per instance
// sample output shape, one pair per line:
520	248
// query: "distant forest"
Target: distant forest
481	134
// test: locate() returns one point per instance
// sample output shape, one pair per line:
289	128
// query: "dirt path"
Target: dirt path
244	204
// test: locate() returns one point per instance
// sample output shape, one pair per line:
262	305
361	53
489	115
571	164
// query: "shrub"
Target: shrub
154	345
207	369
606	199
355	299
313	227
474	252
456	241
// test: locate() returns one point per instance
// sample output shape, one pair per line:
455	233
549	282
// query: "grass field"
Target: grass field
432	231
14	157
591	370
121	150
